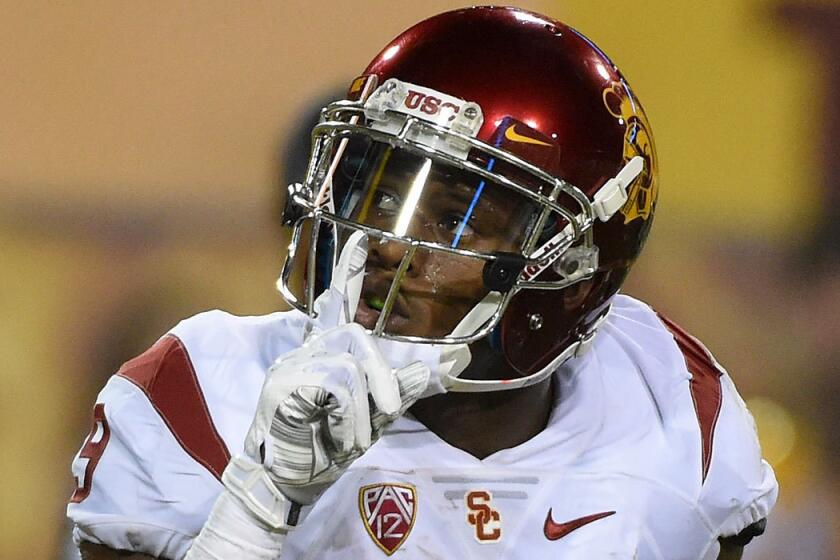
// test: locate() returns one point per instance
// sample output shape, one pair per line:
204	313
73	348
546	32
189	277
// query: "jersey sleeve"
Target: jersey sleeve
133	492
163	430
737	487
741	487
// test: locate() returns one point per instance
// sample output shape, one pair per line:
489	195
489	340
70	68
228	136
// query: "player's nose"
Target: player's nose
387	255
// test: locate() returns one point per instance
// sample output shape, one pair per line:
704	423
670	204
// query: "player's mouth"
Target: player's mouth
371	304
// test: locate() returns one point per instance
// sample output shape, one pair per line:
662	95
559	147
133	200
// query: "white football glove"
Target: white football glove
320	408
322	405
325	404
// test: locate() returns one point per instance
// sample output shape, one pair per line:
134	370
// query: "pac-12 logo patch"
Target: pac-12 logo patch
388	512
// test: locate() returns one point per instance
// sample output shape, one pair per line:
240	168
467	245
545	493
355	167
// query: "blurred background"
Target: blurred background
143	146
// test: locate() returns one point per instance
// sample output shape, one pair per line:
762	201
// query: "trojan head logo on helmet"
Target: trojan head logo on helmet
504	174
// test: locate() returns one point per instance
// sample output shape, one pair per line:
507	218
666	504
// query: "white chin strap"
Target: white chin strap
476	318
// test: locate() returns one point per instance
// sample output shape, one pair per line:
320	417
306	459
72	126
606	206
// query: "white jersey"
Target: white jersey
649	454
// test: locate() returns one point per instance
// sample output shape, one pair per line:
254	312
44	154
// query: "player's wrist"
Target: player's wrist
251	484
232	531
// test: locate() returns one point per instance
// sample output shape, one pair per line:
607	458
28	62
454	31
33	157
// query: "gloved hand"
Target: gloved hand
321	406
325	404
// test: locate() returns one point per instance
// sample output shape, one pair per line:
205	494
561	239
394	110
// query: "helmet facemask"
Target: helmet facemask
447	216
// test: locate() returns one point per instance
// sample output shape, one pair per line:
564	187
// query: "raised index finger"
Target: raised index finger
353	339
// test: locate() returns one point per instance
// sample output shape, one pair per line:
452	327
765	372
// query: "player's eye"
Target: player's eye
386	202
455	225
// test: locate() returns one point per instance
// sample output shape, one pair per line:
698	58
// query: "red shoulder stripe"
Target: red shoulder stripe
92	450
166	375
705	386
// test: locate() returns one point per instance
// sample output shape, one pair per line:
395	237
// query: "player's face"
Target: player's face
456	210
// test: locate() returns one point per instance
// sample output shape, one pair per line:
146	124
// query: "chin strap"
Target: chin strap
578	348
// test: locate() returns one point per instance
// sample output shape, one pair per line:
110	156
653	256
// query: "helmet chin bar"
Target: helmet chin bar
578	348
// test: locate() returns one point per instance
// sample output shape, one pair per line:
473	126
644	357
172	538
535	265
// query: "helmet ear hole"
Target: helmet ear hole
500	274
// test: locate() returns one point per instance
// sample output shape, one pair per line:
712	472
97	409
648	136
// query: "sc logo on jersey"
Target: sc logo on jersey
486	520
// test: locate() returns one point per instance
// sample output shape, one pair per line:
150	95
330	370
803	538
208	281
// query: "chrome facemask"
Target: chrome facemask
413	176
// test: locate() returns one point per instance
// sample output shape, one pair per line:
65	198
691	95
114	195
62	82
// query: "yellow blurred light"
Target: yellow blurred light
776	428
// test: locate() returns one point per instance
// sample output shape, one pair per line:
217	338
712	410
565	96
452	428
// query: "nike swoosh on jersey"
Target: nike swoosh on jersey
554	531
514	136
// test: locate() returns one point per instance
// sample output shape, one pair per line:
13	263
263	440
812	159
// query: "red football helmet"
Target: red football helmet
502	140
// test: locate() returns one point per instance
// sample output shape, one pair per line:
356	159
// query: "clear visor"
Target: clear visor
432	230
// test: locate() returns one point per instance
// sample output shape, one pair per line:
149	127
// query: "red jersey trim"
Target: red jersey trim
92	451
166	375
705	386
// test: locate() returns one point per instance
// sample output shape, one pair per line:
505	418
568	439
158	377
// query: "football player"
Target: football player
459	377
